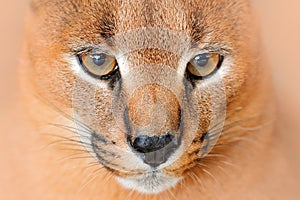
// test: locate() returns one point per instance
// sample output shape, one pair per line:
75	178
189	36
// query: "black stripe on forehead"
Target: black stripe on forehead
197	26
107	25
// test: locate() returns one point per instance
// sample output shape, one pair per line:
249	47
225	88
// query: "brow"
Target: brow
197	27
107	27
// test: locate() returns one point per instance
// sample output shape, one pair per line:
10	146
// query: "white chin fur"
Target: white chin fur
153	183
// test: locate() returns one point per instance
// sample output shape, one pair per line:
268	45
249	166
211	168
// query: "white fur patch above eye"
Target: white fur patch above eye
152	183
78	70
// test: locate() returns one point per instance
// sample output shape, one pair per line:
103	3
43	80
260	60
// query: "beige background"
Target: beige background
280	27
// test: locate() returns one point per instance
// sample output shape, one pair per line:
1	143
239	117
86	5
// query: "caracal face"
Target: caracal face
147	85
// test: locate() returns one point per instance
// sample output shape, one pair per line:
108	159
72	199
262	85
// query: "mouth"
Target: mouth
153	182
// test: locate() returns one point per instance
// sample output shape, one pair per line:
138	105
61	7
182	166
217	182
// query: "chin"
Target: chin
153	182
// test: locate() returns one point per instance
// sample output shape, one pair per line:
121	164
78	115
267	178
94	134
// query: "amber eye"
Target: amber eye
204	65
98	65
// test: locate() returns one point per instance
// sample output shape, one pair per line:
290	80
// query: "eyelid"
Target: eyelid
218	48
92	49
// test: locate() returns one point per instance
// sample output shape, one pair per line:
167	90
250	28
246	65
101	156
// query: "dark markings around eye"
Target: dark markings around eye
115	79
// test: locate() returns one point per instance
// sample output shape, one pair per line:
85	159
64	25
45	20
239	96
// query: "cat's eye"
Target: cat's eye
204	65
100	65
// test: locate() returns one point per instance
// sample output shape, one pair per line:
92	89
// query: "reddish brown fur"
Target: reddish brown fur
62	26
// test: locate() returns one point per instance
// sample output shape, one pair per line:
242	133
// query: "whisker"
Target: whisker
222	169
217	155
93	164
130	193
210	174
197	179
108	176
232	124
63	142
64	114
76	150
182	183
225	162
89	180
255	128
69	139
75	158
216	129
172	194
70	128
88	166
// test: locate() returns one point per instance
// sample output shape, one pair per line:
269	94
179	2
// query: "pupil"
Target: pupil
99	59
202	59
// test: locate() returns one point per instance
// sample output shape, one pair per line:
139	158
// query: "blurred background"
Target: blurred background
280	28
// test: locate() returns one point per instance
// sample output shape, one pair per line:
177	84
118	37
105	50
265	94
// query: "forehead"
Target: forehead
105	18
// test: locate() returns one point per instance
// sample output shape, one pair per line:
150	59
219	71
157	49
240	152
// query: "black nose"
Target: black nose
155	150
146	144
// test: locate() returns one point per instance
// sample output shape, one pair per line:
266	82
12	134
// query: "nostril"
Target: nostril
154	150
146	144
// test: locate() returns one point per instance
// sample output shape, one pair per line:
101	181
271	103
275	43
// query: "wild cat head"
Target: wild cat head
147	82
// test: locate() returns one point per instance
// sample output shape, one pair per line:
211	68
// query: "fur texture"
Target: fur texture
152	41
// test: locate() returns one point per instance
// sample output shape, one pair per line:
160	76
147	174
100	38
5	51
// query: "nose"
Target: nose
155	150
146	144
